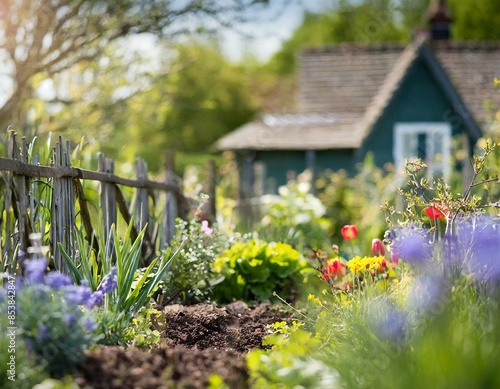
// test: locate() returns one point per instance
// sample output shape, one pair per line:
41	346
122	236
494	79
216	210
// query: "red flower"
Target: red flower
378	247
349	232
437	211
334	269
383	266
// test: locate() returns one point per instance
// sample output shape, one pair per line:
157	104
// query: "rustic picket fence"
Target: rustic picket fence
66	207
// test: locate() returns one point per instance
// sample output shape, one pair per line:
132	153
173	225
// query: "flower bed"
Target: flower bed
419	308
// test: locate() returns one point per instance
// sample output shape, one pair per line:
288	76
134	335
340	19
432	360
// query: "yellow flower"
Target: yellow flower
359	265
314	299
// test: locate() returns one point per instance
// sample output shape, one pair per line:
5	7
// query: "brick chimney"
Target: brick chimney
439	18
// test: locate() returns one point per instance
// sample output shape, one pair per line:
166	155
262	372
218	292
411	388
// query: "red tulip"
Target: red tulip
349	232
334	269
378	247
436	211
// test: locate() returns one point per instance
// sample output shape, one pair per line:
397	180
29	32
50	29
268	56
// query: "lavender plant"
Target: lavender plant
55	318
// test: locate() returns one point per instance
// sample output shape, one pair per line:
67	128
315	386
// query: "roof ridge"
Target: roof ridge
396	46
353	47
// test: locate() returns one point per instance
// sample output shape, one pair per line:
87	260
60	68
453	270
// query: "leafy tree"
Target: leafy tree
39	38
475	20
208	97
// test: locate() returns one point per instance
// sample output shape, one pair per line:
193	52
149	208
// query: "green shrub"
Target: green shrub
28	369
293	216
192	276
255	269
144	330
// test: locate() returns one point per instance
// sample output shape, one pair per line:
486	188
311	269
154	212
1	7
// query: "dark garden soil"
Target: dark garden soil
199	341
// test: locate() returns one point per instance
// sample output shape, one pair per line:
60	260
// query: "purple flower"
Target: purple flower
70	320
35	270
453	250
43	333
109	283
56	279
96	299
390	324
412	245
480	240
21	254
41	291
426	293
89	325
77	295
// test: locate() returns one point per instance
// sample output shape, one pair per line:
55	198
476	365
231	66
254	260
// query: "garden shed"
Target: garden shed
431	99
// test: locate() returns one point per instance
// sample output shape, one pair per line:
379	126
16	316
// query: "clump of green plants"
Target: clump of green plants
28	370
254	270
294	215
145	329
134	286
192	276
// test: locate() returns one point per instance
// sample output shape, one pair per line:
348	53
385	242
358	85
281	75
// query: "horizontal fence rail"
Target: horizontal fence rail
51	200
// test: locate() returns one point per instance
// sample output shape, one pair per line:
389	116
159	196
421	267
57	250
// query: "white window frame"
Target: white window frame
431	130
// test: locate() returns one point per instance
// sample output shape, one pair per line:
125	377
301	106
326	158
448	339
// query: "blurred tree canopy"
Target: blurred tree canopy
192	97
475	20
208	98
40	38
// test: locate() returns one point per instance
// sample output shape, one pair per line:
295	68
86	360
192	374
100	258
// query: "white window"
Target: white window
431	142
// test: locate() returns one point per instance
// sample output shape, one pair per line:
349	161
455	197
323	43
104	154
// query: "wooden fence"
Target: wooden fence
65	206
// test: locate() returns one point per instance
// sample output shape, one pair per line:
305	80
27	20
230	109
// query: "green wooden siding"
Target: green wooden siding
335	160
419	99
280	164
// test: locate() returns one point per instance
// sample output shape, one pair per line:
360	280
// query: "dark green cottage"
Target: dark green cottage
393	101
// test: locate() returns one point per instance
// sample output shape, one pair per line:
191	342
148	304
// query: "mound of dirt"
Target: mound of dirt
201	340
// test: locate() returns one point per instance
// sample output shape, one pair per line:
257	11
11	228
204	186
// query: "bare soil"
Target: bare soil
199	341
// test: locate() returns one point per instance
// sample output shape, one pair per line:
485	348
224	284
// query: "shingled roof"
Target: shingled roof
355	83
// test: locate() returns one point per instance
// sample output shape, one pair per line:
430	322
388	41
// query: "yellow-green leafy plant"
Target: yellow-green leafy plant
255	269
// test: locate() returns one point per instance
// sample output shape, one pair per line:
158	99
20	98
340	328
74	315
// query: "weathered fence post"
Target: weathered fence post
211	209
63	207
16	197
108	202
171	204
142	201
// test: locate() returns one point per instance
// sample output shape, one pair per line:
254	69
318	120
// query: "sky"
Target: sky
271	28
261	37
